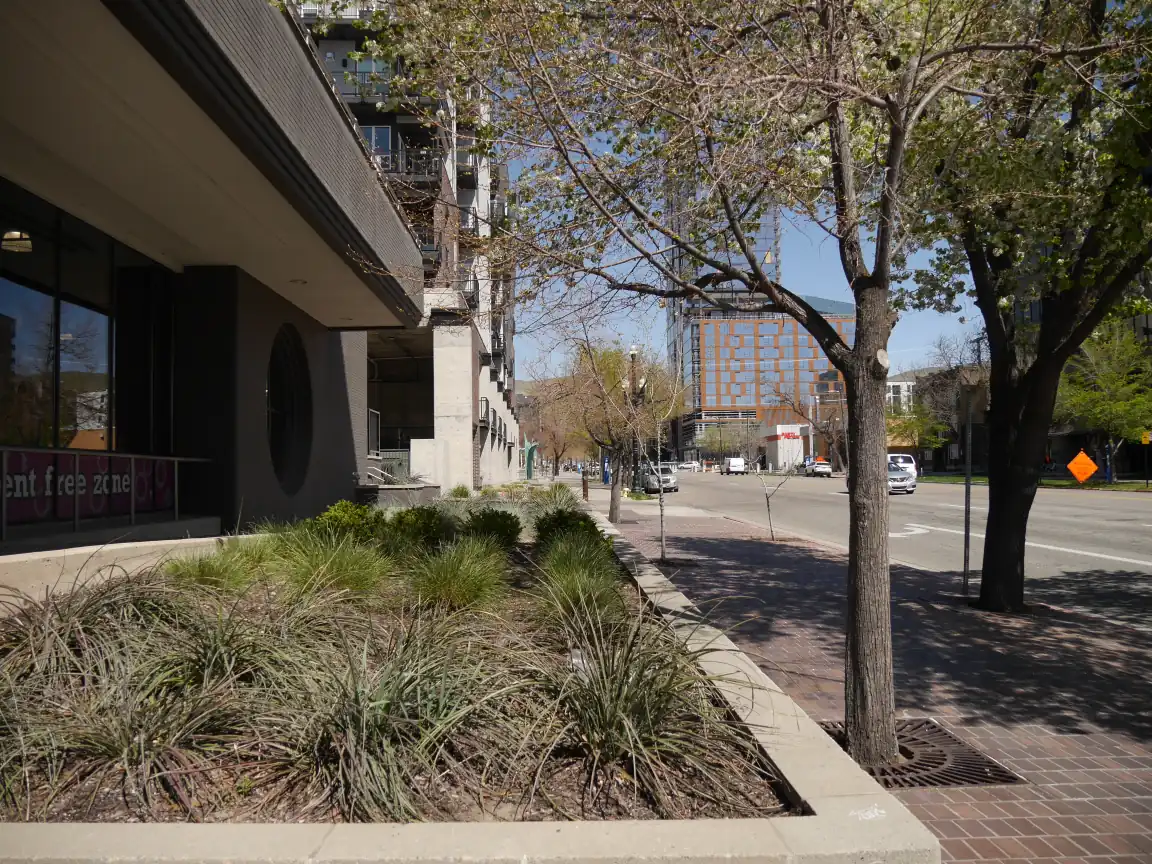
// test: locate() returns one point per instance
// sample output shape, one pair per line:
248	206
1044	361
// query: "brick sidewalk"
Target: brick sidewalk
1064	702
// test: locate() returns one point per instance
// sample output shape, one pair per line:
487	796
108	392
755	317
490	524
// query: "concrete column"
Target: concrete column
454	376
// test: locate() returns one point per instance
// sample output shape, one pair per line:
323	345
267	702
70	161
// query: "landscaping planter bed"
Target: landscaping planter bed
430	666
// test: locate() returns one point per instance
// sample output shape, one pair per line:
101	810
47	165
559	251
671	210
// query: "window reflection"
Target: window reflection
84	378
26	365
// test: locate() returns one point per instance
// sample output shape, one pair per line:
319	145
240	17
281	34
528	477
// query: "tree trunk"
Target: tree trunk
615	464
869	693
1018	422
660	492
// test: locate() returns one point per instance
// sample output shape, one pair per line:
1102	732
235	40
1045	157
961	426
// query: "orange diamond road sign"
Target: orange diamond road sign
1082	467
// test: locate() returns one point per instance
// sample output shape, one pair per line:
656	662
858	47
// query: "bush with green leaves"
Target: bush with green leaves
553	523
424	527
360	522
460	491
468	573
503	526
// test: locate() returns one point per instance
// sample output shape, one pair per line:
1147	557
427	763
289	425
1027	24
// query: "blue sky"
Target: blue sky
811	265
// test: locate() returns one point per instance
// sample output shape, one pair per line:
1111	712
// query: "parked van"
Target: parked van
734	465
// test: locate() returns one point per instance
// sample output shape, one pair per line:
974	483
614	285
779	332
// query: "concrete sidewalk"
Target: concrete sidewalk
1061	700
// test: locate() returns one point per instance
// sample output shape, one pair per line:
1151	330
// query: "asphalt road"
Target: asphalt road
1086	549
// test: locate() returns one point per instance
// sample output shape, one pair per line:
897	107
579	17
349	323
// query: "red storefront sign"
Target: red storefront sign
42	486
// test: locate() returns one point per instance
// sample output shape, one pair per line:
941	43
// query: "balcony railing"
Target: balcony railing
469	220
497	341
482	419
471	292
410	163
429	242
366	85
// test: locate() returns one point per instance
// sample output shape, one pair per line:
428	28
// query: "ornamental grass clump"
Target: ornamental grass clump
579	577
365	735
637	710
468	573
311	559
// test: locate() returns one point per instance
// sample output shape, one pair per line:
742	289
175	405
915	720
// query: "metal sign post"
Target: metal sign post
1146	440
967	490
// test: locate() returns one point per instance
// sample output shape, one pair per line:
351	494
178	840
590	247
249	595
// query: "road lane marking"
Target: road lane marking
912	531
1063	549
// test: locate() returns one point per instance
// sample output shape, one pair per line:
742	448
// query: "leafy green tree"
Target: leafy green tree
658	139
1035	190
1107	385
917	425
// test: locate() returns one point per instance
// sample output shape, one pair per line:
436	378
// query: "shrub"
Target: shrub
460	491
423	527
580	578
467	573
500	525
552	523
358	522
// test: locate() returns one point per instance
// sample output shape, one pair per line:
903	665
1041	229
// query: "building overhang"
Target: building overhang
132	115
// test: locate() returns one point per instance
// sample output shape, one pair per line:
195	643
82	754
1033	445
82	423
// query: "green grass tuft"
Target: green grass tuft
468	573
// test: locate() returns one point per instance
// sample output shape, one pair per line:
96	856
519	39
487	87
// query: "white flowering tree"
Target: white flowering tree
654	139
1039	202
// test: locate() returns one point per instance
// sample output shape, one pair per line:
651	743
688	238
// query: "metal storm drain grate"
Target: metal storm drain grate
932	756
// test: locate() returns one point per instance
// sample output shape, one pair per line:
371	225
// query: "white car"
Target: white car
900	480
818	468
690	466
666	478
734	465
905	462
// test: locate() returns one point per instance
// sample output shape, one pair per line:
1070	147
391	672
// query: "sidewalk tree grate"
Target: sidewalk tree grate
932	756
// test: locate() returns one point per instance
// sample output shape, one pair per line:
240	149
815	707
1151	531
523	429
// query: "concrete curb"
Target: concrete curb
853	820
56	570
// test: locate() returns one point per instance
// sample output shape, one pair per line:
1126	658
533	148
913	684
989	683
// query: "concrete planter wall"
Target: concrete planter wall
849	817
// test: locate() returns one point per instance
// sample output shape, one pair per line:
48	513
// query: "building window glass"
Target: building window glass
785	342
84	378
27	361
768	327
770	353
289	406
806	353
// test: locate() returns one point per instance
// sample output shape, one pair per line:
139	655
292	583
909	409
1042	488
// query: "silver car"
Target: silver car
900	480
666	478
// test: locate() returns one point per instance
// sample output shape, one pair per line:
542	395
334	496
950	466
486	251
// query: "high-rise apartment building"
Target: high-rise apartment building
751	365
442	394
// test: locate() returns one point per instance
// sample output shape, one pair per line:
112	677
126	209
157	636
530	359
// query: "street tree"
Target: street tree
618	399
657	138
1035	189
1107	386
916	425
554	420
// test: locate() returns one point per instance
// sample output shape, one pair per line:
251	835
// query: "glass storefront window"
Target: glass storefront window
26	364
84	378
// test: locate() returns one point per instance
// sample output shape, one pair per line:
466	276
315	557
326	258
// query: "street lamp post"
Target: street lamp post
637	486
